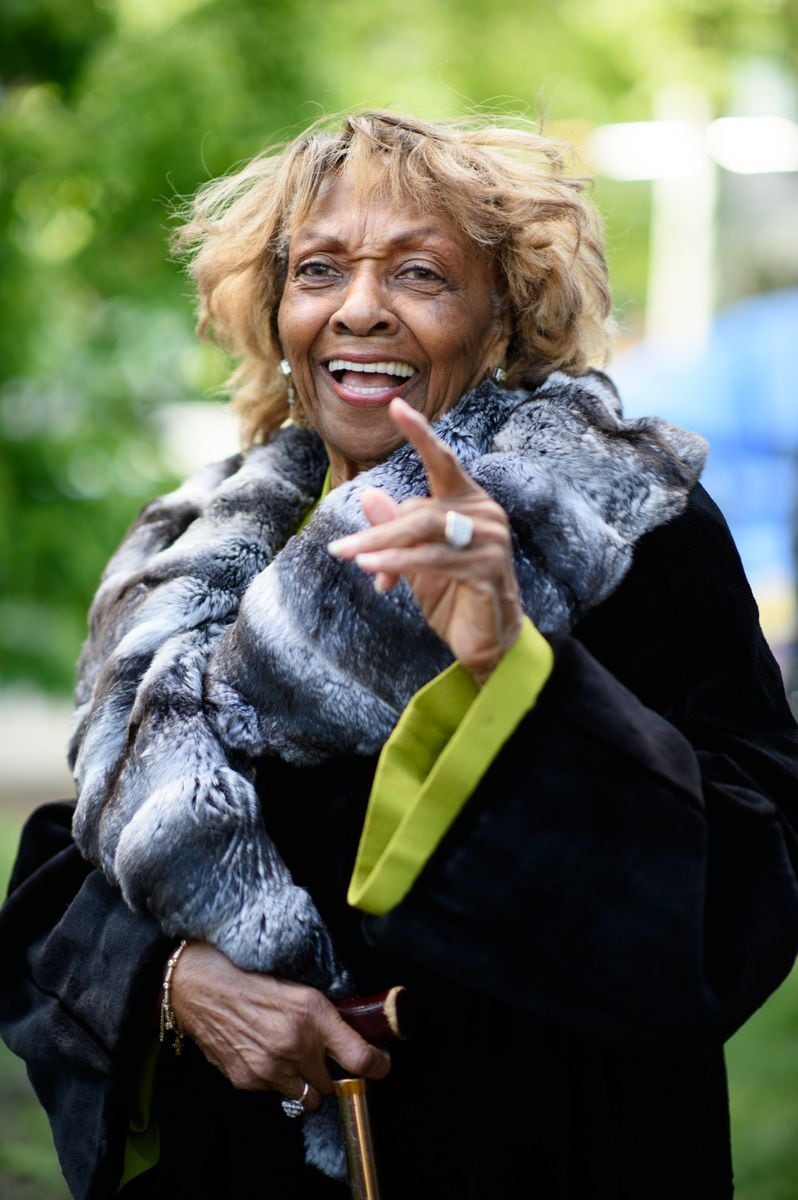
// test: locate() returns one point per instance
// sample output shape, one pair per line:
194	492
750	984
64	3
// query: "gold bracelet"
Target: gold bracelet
168	1019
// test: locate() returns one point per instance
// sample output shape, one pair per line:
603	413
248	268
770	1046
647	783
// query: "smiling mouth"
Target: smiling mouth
370	379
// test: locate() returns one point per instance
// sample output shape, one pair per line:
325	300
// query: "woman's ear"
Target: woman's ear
503	328
506	330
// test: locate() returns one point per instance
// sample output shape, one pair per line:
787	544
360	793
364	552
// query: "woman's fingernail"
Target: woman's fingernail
379	584
335	547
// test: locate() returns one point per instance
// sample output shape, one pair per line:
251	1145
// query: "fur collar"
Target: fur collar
217	637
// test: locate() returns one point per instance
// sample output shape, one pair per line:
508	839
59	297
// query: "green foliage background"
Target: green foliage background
112	110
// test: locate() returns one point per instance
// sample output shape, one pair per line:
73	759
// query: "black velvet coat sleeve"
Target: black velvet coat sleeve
80	998
627	866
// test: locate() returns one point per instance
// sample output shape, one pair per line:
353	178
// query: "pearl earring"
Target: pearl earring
285	368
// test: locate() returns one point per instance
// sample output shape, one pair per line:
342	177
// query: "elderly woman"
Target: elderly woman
452	678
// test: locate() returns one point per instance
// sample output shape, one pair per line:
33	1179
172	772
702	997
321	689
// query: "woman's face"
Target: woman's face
381	302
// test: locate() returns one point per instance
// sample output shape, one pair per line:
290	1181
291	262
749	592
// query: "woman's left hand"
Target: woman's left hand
469	597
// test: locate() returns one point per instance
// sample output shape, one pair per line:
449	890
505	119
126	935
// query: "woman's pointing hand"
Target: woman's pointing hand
468	595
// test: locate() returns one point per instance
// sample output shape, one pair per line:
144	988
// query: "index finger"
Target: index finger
447	478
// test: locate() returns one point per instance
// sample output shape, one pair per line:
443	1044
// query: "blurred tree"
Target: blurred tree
108	115
112	109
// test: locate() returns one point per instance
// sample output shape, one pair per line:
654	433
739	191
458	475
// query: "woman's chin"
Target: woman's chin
351	451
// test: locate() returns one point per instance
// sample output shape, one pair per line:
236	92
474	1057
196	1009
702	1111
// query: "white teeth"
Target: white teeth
402	369
376	391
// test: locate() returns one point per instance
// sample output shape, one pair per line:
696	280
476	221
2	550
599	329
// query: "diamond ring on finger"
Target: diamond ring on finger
295	1108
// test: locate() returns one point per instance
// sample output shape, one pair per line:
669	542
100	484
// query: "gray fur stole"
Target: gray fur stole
217	637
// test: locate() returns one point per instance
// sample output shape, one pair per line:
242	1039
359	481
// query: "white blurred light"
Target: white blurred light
677	150
754	145
198	432
647	150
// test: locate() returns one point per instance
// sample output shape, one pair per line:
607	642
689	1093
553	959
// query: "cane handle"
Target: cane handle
379	1019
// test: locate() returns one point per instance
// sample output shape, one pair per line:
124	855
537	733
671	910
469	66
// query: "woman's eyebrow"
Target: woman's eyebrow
403	237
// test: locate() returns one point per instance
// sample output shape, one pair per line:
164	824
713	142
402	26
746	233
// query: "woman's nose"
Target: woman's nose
364	308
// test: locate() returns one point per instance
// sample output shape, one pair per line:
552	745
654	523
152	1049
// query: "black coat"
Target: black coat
617	897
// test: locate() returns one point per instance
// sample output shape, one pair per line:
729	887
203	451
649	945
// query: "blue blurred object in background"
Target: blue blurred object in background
739	390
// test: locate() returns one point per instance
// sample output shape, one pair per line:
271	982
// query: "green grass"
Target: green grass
763	1080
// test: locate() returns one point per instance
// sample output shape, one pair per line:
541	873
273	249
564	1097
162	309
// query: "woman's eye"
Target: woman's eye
422	274
315	269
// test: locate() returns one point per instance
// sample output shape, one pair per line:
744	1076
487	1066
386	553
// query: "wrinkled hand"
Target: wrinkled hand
469	597
265	1033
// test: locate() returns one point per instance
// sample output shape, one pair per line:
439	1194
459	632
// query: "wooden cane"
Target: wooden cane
380	1020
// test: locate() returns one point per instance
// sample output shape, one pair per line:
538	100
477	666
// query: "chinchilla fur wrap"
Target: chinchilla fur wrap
219	635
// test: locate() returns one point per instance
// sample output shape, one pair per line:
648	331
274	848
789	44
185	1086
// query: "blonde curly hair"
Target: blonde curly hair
504	187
